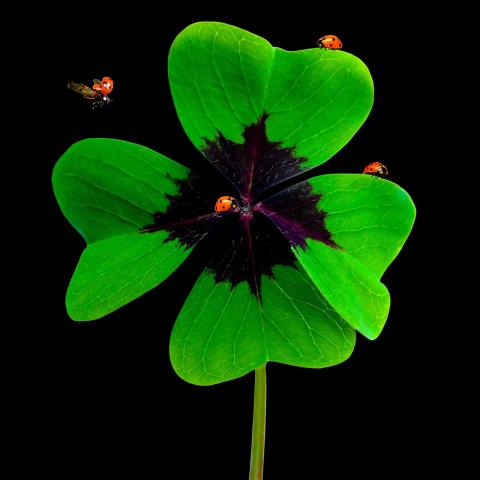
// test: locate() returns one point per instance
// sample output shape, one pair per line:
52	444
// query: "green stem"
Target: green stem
258	428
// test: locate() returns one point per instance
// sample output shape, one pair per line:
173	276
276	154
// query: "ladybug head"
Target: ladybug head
107	84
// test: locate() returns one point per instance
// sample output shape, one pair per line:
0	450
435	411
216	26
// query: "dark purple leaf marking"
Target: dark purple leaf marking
244	248
190	214
245	244
256	164
294	211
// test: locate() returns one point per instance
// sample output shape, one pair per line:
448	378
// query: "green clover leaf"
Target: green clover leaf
295	269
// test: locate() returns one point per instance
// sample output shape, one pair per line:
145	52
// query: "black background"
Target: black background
108	396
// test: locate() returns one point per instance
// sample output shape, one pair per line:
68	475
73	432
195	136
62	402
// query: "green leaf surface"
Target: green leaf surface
222	334
352	290
223	78
369	219
110	187
115	271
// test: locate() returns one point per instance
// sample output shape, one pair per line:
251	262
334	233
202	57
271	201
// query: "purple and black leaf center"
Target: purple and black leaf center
244	244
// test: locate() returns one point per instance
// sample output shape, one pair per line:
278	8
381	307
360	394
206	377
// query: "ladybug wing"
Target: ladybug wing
97	84
82	89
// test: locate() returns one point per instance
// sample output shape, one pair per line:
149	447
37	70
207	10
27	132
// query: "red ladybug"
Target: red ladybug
377	169
331	42
98	93
226	203
104	87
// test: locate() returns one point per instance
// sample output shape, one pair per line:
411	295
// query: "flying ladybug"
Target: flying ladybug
98	93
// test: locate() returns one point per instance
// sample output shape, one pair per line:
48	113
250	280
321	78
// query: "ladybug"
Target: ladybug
104	87
377	169
226	203
98	93
331	42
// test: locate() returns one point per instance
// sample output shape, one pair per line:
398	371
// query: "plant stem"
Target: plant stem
258	428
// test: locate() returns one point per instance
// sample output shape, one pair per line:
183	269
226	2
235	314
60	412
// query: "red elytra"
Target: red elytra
105	86
376	168
330	42
225	203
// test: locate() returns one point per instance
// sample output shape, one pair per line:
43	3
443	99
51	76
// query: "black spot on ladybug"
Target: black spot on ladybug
331	44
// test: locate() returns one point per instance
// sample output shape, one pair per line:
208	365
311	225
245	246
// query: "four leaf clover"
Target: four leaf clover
294	271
